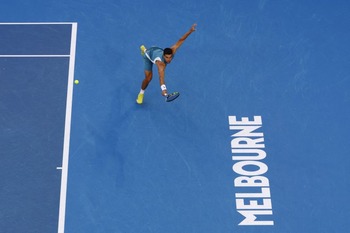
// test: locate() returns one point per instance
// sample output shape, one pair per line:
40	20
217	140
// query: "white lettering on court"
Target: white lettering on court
253	196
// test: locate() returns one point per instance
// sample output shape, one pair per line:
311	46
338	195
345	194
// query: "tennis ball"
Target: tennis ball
76	81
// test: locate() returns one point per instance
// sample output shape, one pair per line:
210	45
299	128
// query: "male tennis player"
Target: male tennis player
160	57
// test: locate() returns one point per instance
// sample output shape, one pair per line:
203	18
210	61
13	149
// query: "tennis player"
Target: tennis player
160	57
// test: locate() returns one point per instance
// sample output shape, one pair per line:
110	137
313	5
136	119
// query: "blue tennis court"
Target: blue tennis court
257	141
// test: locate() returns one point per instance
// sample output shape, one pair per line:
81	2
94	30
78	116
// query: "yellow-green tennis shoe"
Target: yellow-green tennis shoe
139	99
143	49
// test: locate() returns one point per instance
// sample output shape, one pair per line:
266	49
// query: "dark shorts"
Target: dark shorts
152	55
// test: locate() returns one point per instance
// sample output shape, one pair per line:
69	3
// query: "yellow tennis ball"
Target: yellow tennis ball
76	81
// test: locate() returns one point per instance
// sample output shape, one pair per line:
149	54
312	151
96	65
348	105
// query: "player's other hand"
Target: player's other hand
193	28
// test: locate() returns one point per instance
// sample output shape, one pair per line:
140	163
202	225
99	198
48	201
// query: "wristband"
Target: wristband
163	87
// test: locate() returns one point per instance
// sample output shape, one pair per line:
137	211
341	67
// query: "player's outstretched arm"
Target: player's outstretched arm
183	38
161	71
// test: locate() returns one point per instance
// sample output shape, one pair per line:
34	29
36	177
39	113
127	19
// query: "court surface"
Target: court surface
185	166
36	69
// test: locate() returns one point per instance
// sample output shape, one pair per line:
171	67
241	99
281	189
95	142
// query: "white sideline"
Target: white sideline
64	177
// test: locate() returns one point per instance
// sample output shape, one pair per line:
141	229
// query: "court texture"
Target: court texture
257	142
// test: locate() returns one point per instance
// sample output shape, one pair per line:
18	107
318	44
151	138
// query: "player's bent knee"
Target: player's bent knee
148	76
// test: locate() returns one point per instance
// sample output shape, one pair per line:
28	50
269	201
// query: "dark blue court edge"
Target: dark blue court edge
35	39
33	93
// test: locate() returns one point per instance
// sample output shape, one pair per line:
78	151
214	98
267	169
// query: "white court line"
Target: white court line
37	23
64	178
24	56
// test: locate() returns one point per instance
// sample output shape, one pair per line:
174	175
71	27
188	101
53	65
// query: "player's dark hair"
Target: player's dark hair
168	51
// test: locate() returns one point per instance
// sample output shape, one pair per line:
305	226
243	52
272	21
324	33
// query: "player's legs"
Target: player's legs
148	65
147	80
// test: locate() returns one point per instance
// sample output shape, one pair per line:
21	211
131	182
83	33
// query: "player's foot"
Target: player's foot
139	99
143	49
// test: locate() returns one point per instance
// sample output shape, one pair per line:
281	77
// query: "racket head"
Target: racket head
172	96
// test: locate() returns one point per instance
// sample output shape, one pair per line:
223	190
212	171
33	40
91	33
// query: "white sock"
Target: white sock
142	91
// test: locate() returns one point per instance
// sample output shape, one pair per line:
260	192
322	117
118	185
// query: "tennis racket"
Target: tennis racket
172	96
